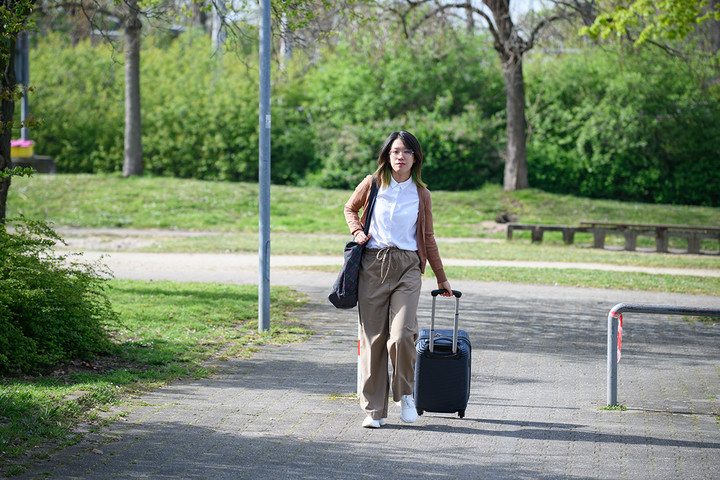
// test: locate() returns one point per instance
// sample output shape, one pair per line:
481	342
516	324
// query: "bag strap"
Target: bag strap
371	205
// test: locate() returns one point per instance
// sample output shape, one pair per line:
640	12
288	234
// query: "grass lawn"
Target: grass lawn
163	202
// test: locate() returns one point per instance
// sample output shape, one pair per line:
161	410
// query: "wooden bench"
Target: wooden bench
661	232
537	231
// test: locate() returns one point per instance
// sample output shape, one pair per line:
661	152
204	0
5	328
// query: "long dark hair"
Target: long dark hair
384	170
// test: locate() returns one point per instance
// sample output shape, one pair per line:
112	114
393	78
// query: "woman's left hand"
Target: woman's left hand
446	286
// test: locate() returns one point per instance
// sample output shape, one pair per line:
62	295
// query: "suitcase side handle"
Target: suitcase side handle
435	293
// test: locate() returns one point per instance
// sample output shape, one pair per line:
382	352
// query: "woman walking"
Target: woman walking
399	243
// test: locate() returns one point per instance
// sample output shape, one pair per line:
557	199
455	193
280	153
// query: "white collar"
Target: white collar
395	184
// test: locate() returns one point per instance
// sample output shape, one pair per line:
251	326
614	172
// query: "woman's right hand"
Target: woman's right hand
361	238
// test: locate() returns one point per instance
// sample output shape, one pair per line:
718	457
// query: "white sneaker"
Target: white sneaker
370	423
409	412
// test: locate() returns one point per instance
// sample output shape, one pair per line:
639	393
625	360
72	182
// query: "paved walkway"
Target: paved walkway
538	383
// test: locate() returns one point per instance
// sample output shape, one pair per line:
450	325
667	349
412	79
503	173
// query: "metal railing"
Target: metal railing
612	337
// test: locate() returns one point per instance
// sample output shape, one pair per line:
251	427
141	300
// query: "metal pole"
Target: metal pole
264	178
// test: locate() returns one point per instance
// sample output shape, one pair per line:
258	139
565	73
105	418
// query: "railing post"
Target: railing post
612	352
612	338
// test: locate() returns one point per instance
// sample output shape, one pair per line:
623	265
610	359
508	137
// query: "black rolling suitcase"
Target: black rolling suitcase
442	370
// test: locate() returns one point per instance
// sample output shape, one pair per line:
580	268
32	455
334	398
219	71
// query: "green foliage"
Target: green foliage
459	152
366	79
52	308
199	114
200	117
80	100
13	20
631	126
16	172
449	96
593	117
198	121
654	19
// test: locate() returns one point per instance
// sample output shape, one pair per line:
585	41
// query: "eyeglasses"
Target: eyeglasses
404	153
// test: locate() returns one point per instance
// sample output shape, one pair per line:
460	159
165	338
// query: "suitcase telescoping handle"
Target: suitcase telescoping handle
457	294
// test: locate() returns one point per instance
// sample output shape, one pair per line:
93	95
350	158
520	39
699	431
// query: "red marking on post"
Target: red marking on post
620	328
614	314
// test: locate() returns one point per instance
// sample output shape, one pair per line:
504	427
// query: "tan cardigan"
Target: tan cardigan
427	247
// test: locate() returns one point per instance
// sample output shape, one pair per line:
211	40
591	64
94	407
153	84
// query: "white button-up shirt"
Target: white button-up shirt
394	219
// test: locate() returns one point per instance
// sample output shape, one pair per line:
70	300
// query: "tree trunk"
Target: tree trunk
510	48
516	171
7	109
133	161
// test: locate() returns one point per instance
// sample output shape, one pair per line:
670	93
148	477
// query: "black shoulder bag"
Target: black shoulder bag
344	292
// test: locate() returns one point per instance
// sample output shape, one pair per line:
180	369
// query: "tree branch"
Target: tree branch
498	44
536	31
585	8
69	5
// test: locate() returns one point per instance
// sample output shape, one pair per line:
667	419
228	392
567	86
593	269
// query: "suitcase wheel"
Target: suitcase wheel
420	411
461	413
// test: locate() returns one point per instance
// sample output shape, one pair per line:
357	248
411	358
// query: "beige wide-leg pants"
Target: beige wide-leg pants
388	293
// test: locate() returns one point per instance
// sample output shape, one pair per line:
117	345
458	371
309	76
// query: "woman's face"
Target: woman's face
401	160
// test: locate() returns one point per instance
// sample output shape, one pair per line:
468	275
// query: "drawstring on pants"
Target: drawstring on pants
382	256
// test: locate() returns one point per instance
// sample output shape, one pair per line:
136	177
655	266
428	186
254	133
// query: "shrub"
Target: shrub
79	99
631	126
199	113
449	96
370	78
52	309
459	152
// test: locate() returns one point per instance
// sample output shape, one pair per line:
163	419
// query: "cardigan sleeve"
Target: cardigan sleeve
357	201
431	249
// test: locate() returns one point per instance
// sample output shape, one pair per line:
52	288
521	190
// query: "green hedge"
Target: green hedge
449	97
199	115
628	125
